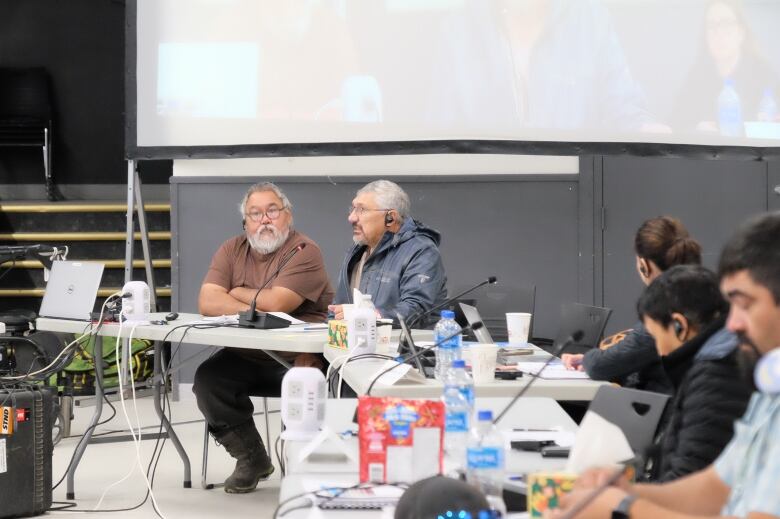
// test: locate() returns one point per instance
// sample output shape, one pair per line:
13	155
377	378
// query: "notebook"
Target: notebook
72	290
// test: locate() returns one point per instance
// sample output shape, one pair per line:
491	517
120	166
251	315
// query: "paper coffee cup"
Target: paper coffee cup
483	362
518	325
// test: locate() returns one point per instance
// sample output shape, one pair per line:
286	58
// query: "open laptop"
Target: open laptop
72	290
472	316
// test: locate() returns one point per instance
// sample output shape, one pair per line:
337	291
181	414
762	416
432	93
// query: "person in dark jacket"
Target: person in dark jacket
629	358
395	259
684	311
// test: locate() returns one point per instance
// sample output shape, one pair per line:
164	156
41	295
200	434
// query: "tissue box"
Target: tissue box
400	440
337	333
545	490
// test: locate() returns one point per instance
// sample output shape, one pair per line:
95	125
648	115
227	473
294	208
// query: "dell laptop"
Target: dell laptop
72	290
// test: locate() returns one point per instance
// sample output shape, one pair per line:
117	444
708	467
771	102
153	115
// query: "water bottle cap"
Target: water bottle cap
447	314
485	416
460	363
728	81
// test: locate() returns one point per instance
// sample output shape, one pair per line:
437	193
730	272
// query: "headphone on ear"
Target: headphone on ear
678	327
767	373
389	218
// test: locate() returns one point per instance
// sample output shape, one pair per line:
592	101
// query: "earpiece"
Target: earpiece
389	218
243	224
767	374
678	328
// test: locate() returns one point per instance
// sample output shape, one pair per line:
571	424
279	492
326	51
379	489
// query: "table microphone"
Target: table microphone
250	318
475	326
571	339
416	318
419	315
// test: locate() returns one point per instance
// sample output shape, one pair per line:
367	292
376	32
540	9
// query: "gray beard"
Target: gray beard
268	245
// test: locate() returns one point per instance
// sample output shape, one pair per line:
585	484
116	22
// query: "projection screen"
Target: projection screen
209	74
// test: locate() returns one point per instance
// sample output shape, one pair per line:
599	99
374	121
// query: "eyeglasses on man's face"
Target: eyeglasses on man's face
272	213
359	210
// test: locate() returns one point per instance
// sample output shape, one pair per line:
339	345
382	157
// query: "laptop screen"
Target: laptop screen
72	290
591	320
472	316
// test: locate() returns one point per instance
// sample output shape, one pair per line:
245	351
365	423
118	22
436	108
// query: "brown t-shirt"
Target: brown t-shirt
236	264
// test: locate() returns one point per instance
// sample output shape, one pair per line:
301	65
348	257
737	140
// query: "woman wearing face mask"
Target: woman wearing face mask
684	311
629	358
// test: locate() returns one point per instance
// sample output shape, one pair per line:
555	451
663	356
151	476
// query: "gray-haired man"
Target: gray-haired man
395	259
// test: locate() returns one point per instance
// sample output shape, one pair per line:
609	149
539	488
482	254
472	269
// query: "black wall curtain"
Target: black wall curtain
81	45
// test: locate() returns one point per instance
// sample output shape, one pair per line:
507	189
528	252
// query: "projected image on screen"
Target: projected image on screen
543	65
190	74
224	72
731	87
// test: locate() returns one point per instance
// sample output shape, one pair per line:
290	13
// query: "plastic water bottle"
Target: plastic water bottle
457	416
463	381
730	110
449	350
767	108
485	461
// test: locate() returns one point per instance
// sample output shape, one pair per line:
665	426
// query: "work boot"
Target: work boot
253	464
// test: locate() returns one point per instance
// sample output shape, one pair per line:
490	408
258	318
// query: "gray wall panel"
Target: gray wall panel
543	230
711	197
773	191
522	229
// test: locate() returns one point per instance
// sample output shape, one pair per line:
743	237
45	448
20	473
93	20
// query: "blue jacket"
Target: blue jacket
405	273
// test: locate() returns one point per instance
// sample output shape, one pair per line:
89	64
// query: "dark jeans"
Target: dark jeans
224	382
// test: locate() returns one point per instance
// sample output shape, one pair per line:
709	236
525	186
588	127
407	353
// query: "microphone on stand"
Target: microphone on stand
475	326
571	339
419	315
416	318
263	320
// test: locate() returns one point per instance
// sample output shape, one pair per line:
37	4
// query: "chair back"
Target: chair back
25	94
636	413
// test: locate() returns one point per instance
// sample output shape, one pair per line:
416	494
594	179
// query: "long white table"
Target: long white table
359	374
269	341
330	469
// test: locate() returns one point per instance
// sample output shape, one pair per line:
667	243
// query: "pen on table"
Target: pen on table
524	429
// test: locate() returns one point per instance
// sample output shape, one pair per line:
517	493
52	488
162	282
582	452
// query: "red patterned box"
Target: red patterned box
400	440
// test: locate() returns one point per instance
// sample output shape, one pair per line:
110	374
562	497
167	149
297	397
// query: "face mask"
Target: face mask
767	373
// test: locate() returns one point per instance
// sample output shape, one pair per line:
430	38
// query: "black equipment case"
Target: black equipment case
27	414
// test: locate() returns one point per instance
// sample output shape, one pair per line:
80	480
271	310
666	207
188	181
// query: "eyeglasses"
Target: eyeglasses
359	210
272	213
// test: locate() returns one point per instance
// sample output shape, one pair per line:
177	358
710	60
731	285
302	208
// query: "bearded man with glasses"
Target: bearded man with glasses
238	269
